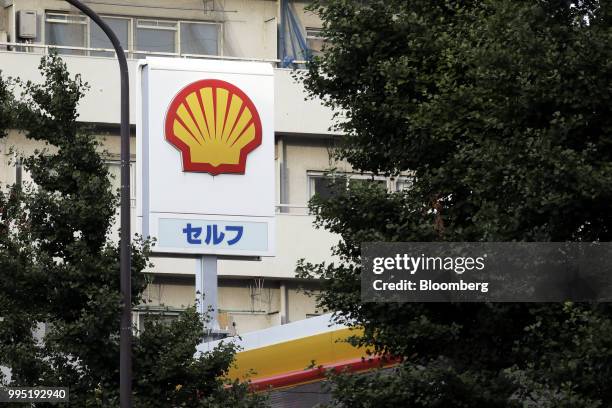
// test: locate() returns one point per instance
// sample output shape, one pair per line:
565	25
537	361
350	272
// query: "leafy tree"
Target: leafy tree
501	112
59	267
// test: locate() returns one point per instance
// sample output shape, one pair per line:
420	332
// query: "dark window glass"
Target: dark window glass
67	31
155	36
198	38
326	187
98	39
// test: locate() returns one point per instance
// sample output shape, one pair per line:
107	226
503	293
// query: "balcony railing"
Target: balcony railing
292	209
87	51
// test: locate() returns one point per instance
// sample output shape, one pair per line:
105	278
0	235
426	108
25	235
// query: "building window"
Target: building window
138	37
199	38
146	316
66	30
315	40
97	38
326	186
156	36
360	180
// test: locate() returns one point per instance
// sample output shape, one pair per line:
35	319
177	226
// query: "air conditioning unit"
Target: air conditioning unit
28	28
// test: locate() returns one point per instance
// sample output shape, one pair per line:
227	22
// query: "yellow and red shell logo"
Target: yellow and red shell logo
214	125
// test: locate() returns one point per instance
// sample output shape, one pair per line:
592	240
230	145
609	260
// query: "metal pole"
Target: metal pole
207	290
125	348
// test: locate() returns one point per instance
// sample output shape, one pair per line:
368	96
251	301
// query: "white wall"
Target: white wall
249	27
101	104
296	236
295	111
249	31
293	115
250	309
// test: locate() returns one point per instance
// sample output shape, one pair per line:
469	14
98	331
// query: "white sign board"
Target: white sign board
205	154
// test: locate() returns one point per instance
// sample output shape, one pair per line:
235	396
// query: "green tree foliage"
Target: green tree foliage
501	110
59	267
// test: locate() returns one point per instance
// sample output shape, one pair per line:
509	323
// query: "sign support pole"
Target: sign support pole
206	287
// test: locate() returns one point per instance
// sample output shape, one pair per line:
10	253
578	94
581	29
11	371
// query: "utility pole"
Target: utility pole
125	351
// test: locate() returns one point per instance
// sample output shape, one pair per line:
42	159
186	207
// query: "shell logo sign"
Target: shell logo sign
205	148
214	125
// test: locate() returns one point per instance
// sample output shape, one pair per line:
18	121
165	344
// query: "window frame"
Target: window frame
134	23
49	18
177	35
130	39
313	174
314	35
139	315
219	36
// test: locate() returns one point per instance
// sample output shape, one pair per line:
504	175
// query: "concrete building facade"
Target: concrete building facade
252	294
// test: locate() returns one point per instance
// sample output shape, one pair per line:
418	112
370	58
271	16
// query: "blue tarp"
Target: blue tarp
291	42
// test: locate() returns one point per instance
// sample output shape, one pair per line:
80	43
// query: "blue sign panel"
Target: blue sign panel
213	234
